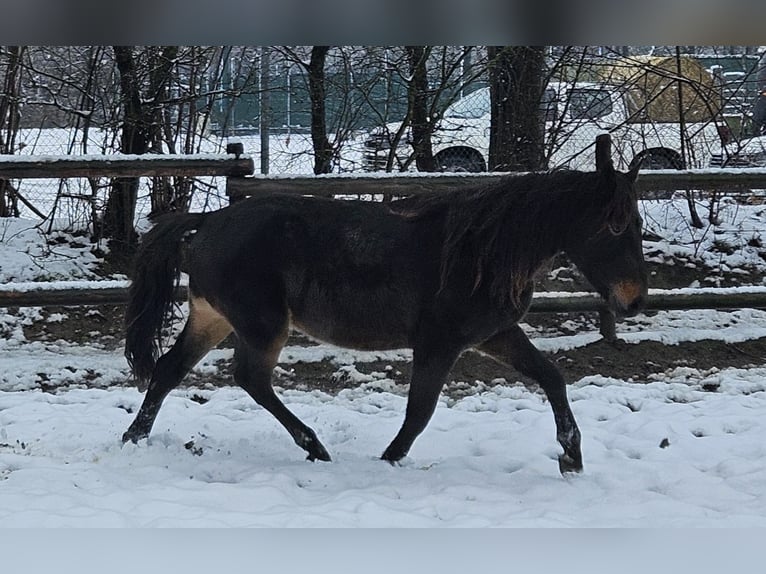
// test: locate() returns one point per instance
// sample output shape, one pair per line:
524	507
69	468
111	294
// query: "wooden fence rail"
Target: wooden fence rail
238	170
74	293
118	165
398	184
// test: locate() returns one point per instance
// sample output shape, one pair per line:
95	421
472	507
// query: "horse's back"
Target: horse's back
281	231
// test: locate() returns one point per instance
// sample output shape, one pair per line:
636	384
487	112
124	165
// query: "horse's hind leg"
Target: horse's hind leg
203	331
514	348
255	358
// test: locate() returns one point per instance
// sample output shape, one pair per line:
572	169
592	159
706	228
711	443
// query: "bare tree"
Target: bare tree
516	141
165	103
322	148
418	100
314	69
372	86
9	121
80	88
142	90
135	139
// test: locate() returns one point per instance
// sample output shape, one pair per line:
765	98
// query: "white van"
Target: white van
575	113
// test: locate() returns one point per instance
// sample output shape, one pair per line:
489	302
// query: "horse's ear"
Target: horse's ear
606	168
607	177
618	201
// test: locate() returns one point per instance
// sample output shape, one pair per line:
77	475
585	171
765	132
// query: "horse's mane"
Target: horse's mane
506	228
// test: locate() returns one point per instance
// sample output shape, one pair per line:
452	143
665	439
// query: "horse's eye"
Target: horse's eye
616	229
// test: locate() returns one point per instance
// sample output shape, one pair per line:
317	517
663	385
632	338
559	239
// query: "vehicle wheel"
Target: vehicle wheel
658	159
460	162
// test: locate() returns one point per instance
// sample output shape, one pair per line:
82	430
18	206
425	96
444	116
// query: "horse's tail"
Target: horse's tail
150	296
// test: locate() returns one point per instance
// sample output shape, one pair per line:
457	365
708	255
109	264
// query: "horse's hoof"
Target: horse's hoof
133	436
127	437
318	452
391	457
569	465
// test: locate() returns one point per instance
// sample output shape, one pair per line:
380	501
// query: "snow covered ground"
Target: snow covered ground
486	460
683	448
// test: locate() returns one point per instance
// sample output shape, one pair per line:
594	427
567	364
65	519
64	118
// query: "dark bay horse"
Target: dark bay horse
437	274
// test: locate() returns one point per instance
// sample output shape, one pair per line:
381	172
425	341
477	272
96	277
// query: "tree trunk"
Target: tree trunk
142	123
167	194
9	124
419	102
121	205
516	140
322	147
264	122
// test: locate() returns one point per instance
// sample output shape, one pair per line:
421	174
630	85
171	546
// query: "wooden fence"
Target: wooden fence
240	183
233	165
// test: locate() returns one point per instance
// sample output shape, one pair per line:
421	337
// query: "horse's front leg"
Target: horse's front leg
514	348
430	367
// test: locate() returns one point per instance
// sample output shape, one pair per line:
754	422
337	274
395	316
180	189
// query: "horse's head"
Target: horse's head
608	247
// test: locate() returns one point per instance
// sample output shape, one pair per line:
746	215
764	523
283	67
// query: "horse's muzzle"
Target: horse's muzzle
627	298
635	307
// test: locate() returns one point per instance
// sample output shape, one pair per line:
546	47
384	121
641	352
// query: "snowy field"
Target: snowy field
661	454
683	448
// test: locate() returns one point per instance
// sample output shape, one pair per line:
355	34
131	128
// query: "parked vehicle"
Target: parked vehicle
750	152
574	114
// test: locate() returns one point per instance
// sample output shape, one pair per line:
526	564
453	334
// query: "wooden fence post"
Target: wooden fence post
603	150
606	317
607	324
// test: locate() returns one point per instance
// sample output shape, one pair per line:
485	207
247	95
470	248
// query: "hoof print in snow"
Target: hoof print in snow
195	450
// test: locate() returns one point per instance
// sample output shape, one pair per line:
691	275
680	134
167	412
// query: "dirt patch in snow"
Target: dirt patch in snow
103	326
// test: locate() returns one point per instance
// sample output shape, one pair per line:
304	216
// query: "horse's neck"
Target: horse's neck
554	227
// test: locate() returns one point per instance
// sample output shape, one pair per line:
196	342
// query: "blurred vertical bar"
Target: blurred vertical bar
265	110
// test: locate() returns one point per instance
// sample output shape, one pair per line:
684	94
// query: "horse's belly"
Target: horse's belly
367	328
354	339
